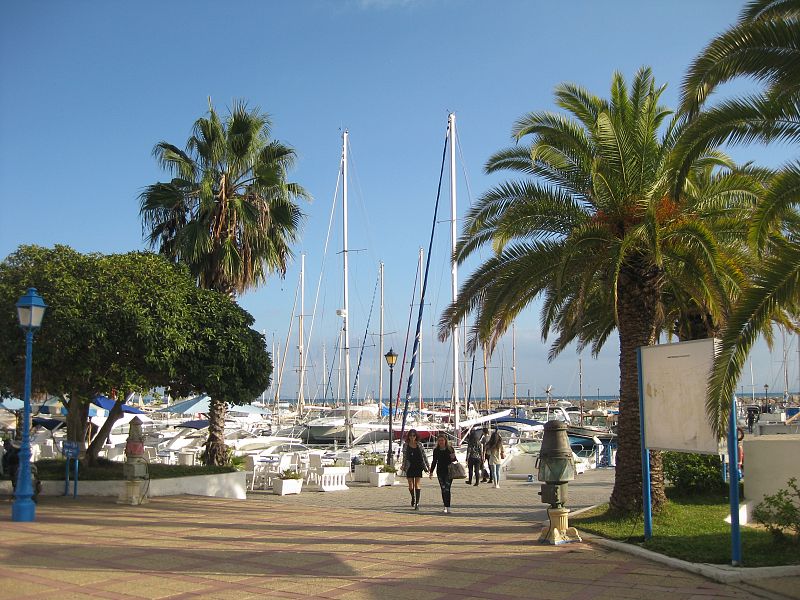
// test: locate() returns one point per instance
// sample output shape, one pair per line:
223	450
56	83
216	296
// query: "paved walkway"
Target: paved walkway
362	543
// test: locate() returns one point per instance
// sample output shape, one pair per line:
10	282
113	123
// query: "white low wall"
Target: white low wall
223	485
769	462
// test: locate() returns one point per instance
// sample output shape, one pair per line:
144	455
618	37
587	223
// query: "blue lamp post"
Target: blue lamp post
30	310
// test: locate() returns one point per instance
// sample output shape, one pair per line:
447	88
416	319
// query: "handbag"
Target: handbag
455	470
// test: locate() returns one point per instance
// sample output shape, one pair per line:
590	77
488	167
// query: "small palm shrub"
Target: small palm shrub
780	513
388	469
371	459
290	474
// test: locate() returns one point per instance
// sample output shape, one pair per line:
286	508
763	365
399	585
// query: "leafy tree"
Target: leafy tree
765	46
230	360
129	321
602	238
229	212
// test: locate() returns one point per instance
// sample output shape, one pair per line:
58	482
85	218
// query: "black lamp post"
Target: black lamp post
30	310
556	469
766	398
391	358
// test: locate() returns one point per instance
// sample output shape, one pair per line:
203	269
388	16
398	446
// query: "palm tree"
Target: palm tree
764	45
599	236
229	212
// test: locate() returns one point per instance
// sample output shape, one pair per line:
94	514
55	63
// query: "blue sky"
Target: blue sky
87	88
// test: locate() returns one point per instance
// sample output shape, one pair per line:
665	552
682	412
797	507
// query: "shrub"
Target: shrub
371	458
290	474
694	473
780	513
388	469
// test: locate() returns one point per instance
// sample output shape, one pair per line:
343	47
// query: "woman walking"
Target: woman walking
443	455
495	454
414	463
474	456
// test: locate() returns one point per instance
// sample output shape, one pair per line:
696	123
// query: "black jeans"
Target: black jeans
474	464
445	483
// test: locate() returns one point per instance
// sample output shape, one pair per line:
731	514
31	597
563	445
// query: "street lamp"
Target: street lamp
391	358
30	310
766	398
556	469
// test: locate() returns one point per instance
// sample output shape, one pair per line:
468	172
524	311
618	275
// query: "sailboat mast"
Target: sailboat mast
785	367
454	268
300	348
580	387
514	359
486	377
380	352
324	375
346	315
419	378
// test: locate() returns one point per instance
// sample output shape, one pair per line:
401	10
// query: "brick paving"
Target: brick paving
362	543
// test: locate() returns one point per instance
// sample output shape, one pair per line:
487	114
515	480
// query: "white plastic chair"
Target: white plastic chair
151	455
275	469
250	468
300	463
315	469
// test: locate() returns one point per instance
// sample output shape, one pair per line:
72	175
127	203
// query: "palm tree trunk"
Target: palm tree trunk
636	314
216	452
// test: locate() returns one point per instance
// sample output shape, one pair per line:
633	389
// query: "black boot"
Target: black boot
413	501
417	493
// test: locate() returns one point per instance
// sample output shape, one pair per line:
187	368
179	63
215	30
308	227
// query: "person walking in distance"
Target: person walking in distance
414	463
474	456
443	455
484	442
495	454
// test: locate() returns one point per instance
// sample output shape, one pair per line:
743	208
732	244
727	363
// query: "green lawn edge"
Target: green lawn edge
691	529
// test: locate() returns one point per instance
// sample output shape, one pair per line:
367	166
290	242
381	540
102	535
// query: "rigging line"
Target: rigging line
417	277
360	196
364	342
415	350
469	195
330	371
471	377
307	342
286	346
464	169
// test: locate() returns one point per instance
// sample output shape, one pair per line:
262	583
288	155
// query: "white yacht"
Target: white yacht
332	426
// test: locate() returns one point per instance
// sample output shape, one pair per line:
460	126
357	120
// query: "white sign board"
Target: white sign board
674	382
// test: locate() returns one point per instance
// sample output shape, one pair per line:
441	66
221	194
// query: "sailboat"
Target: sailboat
456	424
345	423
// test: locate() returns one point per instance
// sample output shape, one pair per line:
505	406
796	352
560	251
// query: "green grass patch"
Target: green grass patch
53	470
691	529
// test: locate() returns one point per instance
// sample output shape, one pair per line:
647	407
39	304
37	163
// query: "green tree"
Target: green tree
130	322
228	361
765	46
229	212
601	238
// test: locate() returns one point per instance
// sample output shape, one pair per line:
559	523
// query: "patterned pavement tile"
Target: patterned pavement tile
365	543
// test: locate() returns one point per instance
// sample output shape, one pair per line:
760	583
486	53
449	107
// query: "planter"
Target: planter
363	472
381	479
283	487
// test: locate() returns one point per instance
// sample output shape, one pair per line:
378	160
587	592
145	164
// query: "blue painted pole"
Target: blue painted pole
24	508
733	479
646	500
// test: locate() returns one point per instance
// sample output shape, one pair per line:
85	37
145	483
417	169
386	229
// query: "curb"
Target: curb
718	573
